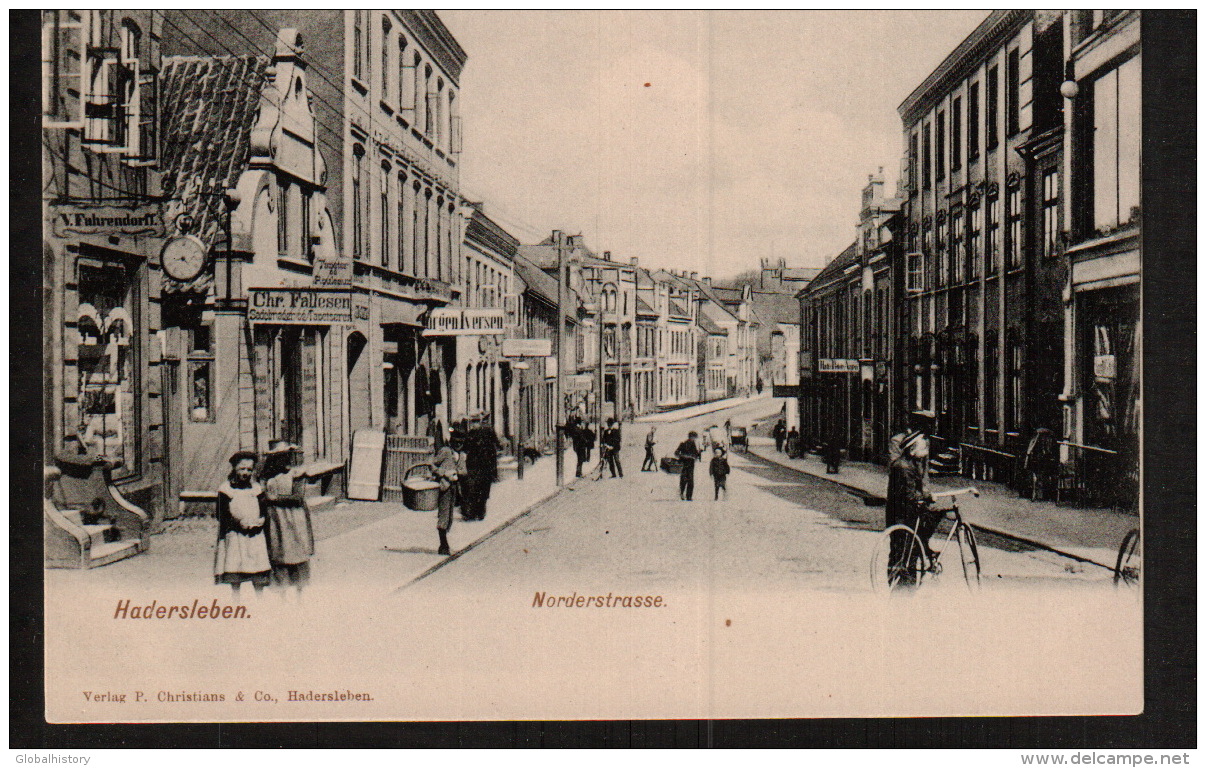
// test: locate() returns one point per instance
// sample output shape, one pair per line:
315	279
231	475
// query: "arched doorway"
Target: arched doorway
358	410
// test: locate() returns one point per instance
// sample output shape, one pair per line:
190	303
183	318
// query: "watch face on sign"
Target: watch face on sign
183	257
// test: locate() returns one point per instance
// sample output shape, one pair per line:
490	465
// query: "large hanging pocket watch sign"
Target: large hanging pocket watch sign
183	257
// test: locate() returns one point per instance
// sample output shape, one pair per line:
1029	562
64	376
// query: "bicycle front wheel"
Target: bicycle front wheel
1130	560
969	555
899	560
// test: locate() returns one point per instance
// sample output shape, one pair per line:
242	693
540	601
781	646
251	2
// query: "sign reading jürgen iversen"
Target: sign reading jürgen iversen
454	321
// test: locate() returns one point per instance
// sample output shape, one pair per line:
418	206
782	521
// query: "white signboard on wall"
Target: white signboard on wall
456	321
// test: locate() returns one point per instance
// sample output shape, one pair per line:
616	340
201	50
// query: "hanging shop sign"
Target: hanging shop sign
107	220
579	382
836	365
331	270
455	321
527	347
299	306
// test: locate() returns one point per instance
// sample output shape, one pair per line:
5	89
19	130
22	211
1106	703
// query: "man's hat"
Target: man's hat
909	440
279	446
922	419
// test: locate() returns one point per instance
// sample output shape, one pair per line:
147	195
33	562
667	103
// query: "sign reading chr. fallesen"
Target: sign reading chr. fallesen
304	306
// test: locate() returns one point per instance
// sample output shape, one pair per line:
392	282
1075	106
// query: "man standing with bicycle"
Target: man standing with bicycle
908	498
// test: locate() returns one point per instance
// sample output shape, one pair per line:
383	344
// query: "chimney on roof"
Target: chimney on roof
694	275
606	255
708	280
575	241
634	261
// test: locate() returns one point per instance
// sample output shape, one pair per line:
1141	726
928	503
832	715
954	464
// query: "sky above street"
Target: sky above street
692	140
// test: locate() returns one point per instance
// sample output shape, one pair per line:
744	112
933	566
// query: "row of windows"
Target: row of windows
956	392
485	285
405	81
941	259
417	230
935	152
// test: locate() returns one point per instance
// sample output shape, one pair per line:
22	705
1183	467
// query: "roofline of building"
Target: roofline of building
995	27
443	47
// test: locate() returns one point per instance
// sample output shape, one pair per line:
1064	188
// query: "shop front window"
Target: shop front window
108	363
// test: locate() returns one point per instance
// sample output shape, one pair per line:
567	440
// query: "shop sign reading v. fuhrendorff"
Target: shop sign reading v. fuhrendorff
107	220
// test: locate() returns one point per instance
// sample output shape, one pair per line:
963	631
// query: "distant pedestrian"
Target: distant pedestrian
833	457
650	464
758	386
582	437
780	434
728	431
481	462
793	443
687	453
290	530
610	442
242	551
447	474
719	470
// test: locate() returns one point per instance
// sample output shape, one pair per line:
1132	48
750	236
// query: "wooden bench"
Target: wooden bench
319	478
209	499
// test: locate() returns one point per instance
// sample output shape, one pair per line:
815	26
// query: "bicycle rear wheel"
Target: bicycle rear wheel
899	560
969	554
1130	560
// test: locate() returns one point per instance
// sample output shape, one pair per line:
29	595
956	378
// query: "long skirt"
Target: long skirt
239	558
444	504
290	534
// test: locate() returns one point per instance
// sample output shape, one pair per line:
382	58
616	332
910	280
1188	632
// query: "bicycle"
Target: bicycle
1130	560
913	565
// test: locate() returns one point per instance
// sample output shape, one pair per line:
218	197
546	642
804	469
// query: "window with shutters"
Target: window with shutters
956	134
1050	244
913	274
940	249
925	156
1012	95
400	218
913	162
385	210
359	44
1117	131
282	216
940	146
454	124
359	209
64	34
992	237
974	241
1014	215
990	102
429	97
386	70
973	122
405	82
957	255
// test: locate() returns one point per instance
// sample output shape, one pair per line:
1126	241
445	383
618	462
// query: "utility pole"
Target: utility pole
601	400
559	394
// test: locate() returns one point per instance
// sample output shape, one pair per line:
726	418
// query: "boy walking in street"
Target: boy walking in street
650	464
687	453
719	469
